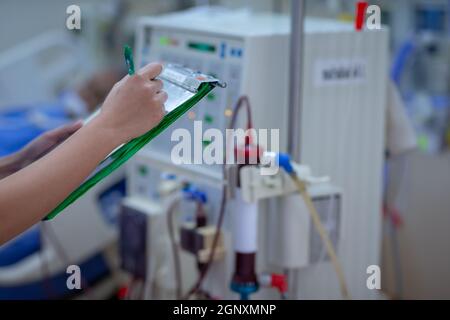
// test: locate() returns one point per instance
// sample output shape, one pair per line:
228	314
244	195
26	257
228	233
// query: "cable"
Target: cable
175	248
243	100
301	186
331	208
205	270
400	60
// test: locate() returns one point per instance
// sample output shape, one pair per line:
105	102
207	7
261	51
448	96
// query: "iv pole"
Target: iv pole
295	77
295	109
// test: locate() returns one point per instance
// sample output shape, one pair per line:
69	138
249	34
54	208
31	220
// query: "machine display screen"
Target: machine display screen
201	46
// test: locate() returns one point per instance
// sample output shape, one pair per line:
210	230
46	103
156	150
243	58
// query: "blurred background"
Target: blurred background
50	75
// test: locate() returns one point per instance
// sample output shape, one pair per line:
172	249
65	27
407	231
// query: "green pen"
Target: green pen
128	53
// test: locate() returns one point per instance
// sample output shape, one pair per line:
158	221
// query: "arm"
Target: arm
134	106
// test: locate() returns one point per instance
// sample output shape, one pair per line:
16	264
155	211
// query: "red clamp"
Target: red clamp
279	282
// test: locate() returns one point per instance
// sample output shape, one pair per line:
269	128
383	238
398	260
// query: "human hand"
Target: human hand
36	149
45	143
134	106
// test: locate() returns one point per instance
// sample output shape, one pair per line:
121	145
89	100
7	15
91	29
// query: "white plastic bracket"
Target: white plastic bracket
256	186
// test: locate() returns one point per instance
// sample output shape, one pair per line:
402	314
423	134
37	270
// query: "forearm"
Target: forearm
133	107
28	195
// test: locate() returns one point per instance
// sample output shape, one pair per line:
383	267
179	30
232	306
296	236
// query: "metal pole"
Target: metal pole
295	77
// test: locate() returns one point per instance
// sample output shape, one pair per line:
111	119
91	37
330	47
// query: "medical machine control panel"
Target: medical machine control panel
218	57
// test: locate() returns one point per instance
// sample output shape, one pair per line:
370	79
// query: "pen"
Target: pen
128	53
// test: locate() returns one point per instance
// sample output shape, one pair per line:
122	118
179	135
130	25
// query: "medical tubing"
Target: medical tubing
175	248
196	287
124	153
301	186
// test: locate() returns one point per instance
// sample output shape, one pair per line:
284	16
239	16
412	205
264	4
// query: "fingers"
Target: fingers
65	131
47	142
151	71
155	86
161	97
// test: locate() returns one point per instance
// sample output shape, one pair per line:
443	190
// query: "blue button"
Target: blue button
223	48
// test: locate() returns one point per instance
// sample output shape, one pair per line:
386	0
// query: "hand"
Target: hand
36	149
45	143
134	106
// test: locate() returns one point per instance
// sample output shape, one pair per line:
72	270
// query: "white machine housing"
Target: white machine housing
341	125
233	53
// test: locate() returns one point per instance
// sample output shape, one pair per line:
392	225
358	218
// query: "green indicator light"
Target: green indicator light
164	41
143	170
204	47
208	119
423	143
211	96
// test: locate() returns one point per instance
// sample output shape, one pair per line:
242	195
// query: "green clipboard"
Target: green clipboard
185	89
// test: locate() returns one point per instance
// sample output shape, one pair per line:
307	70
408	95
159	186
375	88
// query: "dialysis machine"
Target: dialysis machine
341	132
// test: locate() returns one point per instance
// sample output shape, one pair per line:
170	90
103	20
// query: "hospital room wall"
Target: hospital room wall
32	18
29	20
